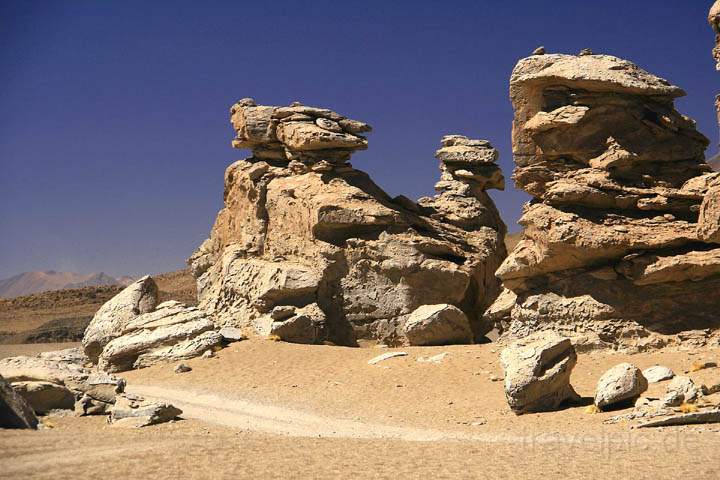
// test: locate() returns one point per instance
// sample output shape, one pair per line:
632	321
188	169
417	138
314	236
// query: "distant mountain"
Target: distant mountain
34	282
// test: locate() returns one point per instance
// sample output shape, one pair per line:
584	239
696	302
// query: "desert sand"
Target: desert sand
273	409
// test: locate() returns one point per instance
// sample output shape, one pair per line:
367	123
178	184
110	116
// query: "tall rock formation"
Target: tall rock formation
714	20
620	242
308	248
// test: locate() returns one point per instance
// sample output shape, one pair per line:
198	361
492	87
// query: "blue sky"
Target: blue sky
114	130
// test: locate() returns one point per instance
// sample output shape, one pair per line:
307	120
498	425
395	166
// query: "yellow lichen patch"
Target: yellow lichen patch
592	409
274	338
688	408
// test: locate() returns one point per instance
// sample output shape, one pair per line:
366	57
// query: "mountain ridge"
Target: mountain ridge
27	283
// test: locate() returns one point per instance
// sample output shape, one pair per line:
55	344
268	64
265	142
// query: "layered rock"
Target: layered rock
172	332
714	20
619	243
302	228
137	298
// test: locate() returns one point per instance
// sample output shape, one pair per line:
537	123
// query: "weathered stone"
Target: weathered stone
537	372
304	325
134	413
108	323
231	334
657	373
173	332
14	410
623	382
694	418
611	252
182	368
681	390
441	324
709	220
45	396
317	234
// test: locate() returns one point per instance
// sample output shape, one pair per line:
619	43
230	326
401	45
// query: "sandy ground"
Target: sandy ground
277	410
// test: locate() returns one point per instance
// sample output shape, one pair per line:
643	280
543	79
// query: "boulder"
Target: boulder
173	332
108	323
681	390
537	372
14	410
301	228
657	374
45	396
622	383
140	413
304	325
440	324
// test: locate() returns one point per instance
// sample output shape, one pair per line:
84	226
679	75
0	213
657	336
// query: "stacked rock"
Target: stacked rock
613	250
714	20
296	133
469	162
468	168
309	249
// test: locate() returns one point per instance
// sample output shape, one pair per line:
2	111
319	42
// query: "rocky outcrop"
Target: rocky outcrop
61	380
619	244
309	249
138	298
14	410
172	332
537	372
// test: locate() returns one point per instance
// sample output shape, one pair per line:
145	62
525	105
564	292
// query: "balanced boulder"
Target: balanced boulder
537	372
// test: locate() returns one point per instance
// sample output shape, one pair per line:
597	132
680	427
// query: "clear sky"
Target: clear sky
114	130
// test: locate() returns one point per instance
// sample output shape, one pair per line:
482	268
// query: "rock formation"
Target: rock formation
310	249
620	242
714	20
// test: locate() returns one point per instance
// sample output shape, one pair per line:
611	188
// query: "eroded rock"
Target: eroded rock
617	247
14	410
310	249
622	383
537	372
137	413
173	332
108	323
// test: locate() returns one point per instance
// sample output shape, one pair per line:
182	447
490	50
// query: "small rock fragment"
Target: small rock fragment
386	356
182	368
